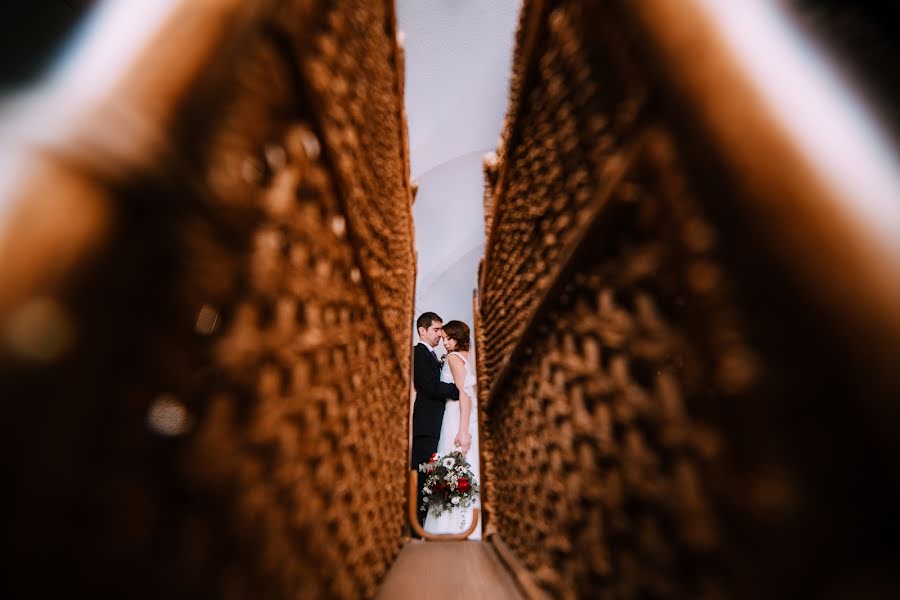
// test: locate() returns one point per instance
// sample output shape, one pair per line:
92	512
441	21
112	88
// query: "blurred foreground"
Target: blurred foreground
688	314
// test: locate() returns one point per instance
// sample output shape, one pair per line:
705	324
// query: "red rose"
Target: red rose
463	485
433	458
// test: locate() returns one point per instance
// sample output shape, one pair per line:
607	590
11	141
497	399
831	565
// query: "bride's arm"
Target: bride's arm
458	370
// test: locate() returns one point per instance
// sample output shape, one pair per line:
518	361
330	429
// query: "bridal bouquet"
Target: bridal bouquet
449	482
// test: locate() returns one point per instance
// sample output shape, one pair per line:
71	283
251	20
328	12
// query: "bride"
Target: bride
459	429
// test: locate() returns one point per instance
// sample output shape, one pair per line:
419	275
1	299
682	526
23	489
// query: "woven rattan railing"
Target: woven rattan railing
688	336
206	274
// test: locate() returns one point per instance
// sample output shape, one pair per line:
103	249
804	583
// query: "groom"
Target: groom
431	395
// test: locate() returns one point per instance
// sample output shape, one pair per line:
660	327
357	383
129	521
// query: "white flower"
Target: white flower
426	490
449	462
454	500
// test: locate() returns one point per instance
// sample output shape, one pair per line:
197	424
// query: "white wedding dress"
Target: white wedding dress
458	519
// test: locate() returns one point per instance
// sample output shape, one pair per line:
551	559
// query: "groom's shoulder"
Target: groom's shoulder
418	356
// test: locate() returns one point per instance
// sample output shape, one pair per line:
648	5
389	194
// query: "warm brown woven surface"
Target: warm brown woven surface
667	413
230	418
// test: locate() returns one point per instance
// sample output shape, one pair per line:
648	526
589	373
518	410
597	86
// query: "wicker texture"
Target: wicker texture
663	413
240	347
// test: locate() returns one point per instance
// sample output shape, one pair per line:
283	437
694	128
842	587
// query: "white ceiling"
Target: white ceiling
458	60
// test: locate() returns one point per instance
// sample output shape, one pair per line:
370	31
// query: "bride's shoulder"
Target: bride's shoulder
460	356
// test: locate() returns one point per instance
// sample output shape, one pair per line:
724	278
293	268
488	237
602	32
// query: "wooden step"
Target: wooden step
450	570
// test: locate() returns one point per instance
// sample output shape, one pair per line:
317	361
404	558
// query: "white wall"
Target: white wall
458	60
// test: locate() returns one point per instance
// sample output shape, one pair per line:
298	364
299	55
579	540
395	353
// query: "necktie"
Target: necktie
435	357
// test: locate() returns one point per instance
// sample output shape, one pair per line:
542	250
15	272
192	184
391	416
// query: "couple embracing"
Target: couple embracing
444	416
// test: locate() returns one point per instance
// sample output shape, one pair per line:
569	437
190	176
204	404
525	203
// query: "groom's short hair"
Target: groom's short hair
426	319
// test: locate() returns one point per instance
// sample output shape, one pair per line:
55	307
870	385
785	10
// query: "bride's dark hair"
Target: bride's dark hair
459	332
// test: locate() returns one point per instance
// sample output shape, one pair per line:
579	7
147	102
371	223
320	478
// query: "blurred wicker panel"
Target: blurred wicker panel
598	448
561	171
228	360
672	409
358	80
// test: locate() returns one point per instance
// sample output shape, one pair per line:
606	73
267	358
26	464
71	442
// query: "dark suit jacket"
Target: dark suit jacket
431	393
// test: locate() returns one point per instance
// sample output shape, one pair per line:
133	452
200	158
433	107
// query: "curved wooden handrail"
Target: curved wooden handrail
835	225
64	133
414	519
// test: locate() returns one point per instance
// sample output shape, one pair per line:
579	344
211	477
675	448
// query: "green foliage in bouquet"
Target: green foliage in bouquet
449	482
